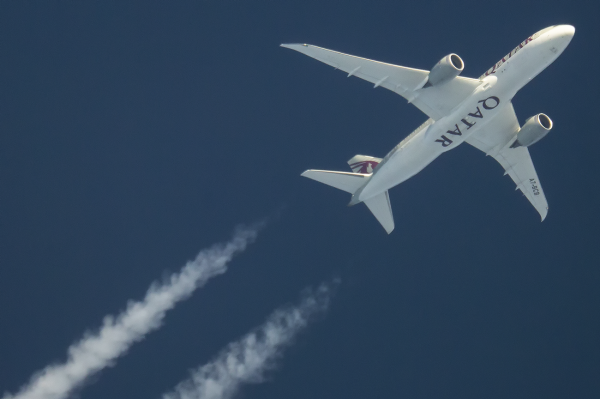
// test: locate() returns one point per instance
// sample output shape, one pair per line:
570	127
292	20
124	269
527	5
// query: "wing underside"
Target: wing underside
495	139
435	101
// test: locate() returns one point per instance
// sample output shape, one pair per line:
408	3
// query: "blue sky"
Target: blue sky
133	134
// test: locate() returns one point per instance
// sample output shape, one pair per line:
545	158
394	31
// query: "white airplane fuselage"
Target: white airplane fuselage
498	86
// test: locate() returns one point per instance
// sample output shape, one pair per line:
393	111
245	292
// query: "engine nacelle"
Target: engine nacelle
534	129
444	71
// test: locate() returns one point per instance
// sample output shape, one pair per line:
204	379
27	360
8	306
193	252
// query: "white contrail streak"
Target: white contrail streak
97	350
246	360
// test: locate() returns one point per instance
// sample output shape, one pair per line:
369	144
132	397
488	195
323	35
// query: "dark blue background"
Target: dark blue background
135	133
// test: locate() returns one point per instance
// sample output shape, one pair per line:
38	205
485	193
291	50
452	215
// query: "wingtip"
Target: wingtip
293	46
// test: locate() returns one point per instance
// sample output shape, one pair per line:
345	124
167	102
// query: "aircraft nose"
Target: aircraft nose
561	36
565	30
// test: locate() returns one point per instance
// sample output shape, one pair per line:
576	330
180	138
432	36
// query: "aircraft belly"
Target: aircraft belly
527	64
444	135
404	164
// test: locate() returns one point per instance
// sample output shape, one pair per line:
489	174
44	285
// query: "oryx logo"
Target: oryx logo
364	166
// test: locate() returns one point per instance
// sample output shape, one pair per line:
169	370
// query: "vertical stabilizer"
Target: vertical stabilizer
382	209
363	163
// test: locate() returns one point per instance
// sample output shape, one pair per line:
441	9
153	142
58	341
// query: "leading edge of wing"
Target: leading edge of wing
313	51
435	101
393	77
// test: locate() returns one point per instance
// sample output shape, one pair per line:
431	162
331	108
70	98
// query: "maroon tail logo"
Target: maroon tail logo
364	166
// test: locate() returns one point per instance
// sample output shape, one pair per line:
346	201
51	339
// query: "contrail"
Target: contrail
97	350
246	360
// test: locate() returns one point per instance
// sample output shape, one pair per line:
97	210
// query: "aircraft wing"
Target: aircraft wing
495	139
435	101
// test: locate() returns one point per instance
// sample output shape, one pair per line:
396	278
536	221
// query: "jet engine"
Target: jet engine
534	129
444	71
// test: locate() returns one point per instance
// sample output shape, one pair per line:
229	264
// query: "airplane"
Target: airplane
460	109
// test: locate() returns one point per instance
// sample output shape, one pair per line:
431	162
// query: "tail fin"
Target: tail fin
382	209
349	182
363	163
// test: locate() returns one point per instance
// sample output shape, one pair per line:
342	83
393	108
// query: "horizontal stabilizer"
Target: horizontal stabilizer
363	163
349	182
382	209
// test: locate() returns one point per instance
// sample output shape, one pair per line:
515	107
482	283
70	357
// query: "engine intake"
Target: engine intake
444	71
534	129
